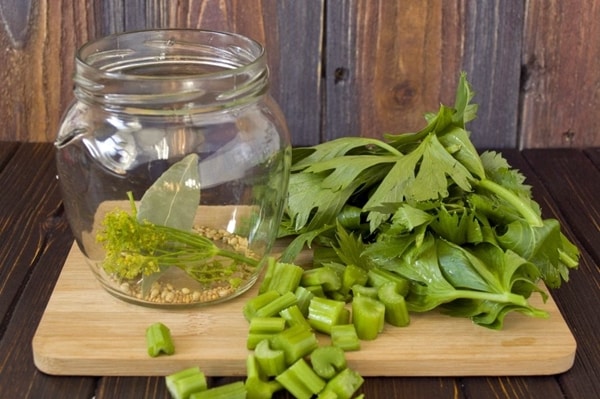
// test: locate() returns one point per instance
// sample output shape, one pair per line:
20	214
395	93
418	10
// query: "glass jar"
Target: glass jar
173	163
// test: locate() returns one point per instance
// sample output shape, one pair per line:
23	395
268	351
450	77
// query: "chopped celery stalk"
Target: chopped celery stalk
281	277
158	340
344	385
345	337
396	312
271	309
300	380
295	342
266	325
304	296
257	385
368	317
233	390
254	304
327	361
254	338
324	276
353	275
185	382
316	290
269	271
293	316
271	361
378	277
325	394
324	313
263	328
361	290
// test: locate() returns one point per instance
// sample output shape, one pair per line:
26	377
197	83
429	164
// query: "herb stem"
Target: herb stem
523	208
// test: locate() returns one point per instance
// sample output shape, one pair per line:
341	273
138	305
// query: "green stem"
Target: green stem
523	208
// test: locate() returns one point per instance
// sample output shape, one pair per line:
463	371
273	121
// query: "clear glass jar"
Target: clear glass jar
173	163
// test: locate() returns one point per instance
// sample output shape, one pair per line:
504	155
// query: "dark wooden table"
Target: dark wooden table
35	240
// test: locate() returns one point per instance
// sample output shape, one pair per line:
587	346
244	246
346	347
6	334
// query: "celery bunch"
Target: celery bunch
462	227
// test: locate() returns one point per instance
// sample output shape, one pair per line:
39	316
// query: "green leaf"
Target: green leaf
174	198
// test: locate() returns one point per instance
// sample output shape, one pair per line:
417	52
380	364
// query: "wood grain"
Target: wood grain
561	74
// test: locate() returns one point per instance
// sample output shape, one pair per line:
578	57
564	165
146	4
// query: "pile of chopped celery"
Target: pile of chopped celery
292	306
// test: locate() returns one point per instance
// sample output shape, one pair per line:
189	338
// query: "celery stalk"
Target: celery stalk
344	385
253	305
257	385
361	290
327	361
368	317
293	316
296	342
266	325
281	277
324	313
273	308
324	276
301	380
158	340
396	312
378	277
270	361
185	382
353	275
233	390
345	337
304	296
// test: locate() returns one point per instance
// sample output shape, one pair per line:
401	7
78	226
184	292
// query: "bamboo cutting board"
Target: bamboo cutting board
86	331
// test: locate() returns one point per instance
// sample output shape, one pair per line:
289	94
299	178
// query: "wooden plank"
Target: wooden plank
7	150
561	79
34	236
552	173
36	70
390	62
81	314
492	49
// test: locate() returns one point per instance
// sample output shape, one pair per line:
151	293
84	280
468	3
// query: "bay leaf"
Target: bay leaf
173	198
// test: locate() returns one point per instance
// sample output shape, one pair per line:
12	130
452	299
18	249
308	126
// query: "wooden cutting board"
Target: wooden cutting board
86	331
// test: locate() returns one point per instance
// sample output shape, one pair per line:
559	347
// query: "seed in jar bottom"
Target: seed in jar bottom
166	294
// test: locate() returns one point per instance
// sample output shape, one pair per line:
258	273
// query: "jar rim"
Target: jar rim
170	69
91	53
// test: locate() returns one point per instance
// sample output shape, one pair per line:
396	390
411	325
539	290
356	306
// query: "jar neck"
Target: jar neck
170	72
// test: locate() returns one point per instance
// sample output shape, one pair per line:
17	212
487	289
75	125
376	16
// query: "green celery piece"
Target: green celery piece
266	325
344	385
362	290
277	305
183	383
303	297
323	313
158	340
252	306
174	198
353	275
293	316
281	277
345	337
378	276
327	361
262	328
396	312
295	342
257	385
368	317
301	380
270	361
323	276
233	390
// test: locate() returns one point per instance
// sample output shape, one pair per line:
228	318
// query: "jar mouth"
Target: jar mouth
177	67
